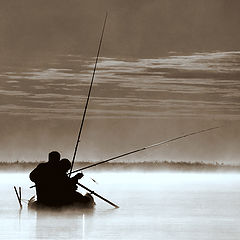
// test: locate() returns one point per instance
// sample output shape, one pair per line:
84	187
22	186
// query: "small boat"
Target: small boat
87	203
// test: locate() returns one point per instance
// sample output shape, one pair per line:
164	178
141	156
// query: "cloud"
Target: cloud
198	85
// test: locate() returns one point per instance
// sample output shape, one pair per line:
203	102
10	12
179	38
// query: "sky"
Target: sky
166	68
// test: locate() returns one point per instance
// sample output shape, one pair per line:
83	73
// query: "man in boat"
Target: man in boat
45	177
54	187
67	187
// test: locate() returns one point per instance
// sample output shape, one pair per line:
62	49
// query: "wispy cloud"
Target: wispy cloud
198	85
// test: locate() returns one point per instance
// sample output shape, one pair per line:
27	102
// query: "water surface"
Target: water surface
153	205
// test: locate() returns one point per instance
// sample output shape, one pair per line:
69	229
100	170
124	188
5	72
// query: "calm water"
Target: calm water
153	205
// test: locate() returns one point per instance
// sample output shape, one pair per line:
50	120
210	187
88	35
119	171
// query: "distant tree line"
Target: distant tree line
156	165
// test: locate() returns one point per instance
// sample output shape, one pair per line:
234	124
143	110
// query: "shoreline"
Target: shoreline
144	166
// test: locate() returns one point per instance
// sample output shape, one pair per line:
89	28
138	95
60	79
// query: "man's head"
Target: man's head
65	164
54	157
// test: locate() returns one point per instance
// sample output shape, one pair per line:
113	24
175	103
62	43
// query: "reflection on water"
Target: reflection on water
61	225
153	205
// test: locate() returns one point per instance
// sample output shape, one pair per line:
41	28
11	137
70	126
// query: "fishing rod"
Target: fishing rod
144	148
88	97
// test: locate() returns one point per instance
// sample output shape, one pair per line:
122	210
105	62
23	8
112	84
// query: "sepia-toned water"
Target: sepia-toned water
153	205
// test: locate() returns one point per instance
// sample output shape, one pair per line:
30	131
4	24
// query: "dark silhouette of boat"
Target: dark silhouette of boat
86	203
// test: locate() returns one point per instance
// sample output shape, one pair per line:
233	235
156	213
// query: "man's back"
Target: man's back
45	176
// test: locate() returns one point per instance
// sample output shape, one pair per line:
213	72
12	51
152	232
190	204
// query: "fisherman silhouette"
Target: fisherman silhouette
54	187
67	187
45	177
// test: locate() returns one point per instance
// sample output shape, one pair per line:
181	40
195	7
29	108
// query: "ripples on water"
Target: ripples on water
153	205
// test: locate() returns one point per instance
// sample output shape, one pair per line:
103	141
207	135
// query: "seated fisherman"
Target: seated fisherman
67	186
45	177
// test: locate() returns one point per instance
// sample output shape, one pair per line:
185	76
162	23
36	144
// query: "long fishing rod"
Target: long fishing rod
144	148
88	97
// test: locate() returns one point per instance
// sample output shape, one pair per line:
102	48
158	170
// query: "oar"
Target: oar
144	148
92	192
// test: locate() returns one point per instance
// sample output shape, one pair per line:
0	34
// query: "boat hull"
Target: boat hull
87	203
